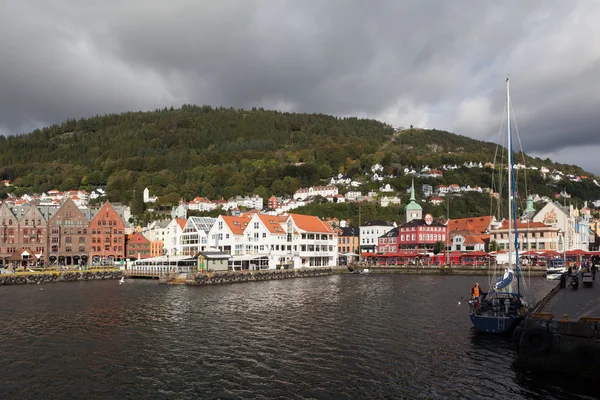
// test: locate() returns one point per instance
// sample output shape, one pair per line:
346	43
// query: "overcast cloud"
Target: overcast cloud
434	64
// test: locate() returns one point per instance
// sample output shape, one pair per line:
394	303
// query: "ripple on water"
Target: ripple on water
338	337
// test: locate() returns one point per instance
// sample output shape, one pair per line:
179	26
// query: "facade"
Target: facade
194	237
313	242
533	236
348	240
173	232
138	246
68	236
418	234
370	233
227	234
465	241
107	231
575	230
8	233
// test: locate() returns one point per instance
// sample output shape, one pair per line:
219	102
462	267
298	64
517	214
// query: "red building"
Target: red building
107	236
418	234
272	204
138	246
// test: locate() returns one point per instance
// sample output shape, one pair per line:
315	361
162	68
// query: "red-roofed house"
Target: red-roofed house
138	246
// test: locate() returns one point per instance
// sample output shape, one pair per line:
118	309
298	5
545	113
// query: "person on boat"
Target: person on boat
475	293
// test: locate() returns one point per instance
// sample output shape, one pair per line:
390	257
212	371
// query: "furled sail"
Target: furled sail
505	280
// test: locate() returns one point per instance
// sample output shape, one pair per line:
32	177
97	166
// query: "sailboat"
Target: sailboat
122	281
501	308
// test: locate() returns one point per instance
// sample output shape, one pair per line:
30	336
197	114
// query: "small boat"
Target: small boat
122	281
364	271
501	308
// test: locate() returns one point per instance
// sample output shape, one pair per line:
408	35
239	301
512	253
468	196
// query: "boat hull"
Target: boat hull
496	324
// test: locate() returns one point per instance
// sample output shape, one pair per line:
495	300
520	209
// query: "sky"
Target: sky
431	64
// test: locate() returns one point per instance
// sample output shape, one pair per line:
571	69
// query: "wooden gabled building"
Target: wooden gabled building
68	236
107	236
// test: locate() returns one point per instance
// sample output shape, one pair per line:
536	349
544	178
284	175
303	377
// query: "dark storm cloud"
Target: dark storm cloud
427	63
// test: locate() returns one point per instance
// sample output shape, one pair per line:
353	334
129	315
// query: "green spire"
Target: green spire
530	207
412	204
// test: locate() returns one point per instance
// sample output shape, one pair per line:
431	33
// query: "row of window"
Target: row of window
424	229
107	239
107	248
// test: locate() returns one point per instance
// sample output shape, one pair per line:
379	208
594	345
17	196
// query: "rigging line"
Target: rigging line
514	118
498	145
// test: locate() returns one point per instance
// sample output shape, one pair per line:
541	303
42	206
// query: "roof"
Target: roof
181	222
421	222
310	223
525	225
377	222
349	231
237	225
272	224
474	224
214	255
473	239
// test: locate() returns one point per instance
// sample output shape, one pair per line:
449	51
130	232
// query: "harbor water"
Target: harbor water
335	337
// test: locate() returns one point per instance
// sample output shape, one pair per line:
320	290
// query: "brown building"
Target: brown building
138	246
68	236
33	231
9	226
107	236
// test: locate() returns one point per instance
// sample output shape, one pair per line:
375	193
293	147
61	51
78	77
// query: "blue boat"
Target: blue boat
500	309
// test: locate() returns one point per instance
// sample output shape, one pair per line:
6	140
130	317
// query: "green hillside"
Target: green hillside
202	151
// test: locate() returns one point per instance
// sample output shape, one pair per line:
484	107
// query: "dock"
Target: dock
51	276
563	332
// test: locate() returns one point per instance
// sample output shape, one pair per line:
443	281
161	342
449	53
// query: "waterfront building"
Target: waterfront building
194	237
460	240
575	229
370	233
68	236
33	231
107	236
138	246
265	244
311	240
532	236
8	232
173	232
348	240
417	234
227	234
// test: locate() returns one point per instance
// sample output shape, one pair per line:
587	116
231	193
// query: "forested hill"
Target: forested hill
202	151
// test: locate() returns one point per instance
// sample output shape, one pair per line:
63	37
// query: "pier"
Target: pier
223	277
563	332
51	276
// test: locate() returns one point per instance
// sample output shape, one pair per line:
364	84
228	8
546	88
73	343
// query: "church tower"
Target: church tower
412	210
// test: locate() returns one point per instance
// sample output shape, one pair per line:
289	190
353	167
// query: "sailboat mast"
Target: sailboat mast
509	145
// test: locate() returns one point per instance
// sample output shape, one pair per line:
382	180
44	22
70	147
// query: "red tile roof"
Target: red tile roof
474	224
310	223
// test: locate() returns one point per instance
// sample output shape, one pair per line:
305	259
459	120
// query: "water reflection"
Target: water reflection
350	336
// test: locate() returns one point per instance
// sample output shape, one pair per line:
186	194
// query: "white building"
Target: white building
227	234
316	191
172	237
370	232
148	198
194	237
